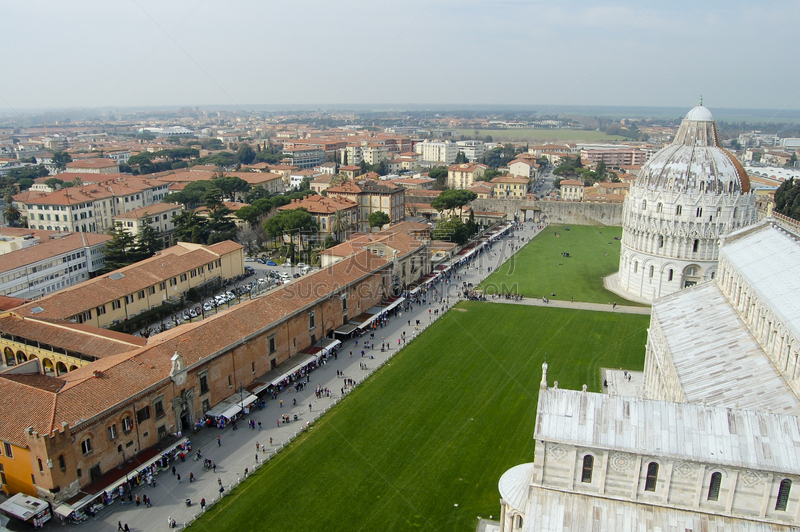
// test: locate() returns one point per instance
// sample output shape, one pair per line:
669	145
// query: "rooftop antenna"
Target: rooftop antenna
701	99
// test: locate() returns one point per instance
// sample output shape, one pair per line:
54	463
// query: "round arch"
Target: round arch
61	368
72	368
21	357
9	356
692	274
47	366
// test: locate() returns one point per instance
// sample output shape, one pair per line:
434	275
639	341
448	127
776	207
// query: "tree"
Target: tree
250	214
439	173
451	230
461	158
212	199
54	183
60	159
12	214
245	154
147	242
290	223
450	200
471	226
340	224
787	199
189	227
378	219
600	169
494	157
120	250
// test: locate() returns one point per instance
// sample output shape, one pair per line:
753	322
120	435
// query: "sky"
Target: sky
331	53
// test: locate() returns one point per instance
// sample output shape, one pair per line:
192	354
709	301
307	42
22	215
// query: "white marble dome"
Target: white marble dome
694	162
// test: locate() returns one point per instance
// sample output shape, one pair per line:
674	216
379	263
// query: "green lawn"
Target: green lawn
436	427
538	269
540	135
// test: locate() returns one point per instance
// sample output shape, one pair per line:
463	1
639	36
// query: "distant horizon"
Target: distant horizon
725	114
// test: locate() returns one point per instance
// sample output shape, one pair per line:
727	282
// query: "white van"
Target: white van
305	270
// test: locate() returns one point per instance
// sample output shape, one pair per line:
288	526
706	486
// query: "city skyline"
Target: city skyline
143	54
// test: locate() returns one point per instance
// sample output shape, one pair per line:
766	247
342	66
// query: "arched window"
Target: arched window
588	464
636	267
678	210
695	245
659	207
62	463
519	521
660	241
713	486
644	205
651	271
783	495
669	275
652	477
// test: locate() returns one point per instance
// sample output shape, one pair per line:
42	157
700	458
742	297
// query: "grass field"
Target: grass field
538	269
539	135
435	427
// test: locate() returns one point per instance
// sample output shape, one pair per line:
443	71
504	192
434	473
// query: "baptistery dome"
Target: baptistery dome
687	195
695	162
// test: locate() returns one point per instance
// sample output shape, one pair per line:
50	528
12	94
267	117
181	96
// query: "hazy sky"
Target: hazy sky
331	52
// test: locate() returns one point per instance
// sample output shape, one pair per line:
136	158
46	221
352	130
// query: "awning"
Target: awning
248	400
297	367
64	510
259	387
326	344
231	411
394	303
347	328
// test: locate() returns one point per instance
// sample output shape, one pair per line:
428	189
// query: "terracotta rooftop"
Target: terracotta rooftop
90	294
320	204
143	212
50	247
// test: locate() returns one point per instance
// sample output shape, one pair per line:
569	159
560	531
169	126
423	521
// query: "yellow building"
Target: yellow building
120	295
15	469
510	186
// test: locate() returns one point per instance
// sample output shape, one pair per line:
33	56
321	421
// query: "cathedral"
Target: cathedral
713	443
686	197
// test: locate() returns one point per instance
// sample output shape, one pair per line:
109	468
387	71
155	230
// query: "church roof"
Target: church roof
684	431
769	260
514	485
716	358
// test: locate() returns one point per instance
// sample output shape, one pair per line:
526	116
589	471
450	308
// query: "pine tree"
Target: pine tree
119	251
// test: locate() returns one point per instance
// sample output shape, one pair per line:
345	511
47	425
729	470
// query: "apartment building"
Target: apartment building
437	152
88	208
324	211
158	217
572	190
613	156
38	264
94	166
464	175
120	295
372	196
473	150
305	156
508	186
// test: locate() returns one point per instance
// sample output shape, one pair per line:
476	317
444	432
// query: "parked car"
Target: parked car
287	264
271	263
296	276
249	259
301	264
261	261
208	307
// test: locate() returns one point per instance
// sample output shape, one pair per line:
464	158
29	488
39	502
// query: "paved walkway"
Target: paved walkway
599	307
238	448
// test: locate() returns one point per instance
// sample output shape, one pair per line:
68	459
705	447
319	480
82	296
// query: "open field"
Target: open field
434	428
540	135
538	269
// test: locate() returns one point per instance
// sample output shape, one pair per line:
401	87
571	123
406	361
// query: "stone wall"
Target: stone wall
562	212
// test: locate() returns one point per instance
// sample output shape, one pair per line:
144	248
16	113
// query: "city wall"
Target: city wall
562	212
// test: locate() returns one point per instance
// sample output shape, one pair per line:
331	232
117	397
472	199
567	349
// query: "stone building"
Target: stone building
65	432
686	197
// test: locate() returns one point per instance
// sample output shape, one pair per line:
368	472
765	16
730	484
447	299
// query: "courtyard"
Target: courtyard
422	443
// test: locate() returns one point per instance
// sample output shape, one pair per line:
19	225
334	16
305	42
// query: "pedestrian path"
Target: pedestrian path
598	307
246	448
